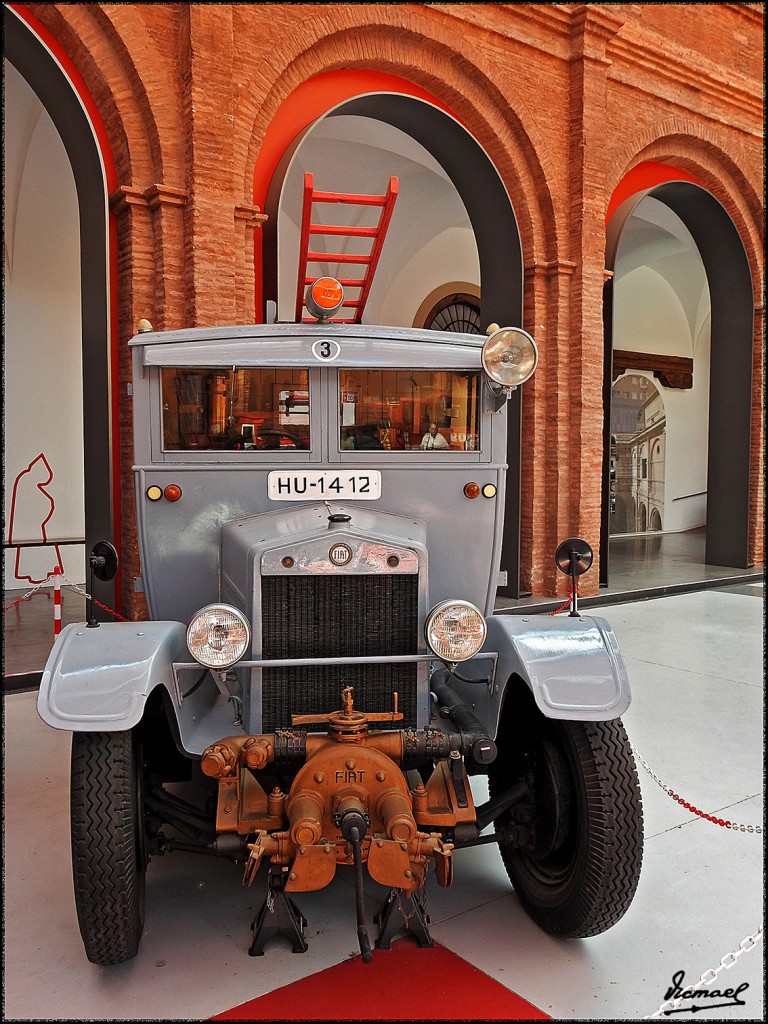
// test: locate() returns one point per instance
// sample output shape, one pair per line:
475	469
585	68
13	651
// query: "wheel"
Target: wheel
109	856
576	866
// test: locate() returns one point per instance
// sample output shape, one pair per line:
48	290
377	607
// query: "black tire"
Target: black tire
581	874
108	844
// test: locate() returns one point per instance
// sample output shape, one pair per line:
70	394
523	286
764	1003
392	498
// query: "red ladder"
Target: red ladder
367	260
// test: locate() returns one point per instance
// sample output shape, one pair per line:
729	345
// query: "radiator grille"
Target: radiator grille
338	616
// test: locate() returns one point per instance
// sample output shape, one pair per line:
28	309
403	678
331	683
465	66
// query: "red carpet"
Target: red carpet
401	983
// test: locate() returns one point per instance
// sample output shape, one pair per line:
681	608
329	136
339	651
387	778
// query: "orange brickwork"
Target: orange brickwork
564	98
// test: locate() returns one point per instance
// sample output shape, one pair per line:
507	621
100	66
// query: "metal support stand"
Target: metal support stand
574	575
403	910
278	916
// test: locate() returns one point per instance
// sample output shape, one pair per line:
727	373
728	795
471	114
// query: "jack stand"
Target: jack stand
267	923
403	909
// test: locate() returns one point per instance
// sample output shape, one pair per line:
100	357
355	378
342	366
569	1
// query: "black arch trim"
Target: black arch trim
43	74
730	390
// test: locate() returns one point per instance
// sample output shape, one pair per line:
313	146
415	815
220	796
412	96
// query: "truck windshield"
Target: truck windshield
408	410
236	409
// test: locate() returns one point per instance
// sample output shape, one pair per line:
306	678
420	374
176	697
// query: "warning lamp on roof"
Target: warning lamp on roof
325	297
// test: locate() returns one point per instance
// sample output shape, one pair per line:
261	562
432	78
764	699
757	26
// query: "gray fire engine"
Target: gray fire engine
322	673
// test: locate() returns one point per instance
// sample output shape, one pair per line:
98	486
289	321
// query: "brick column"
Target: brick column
248	220
582	367
151	286
756	552
213	240
136	294
546	428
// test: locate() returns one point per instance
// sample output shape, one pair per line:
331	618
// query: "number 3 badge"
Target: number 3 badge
326	350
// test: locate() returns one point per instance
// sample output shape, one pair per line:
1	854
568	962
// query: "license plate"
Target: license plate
362	485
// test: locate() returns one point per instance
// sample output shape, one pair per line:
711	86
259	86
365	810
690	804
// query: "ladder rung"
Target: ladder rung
336	257
335	197
339	229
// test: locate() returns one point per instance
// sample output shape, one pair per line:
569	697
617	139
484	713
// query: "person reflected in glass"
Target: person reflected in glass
369	437
433	439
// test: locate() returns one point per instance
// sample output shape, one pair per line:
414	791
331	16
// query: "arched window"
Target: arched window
456	312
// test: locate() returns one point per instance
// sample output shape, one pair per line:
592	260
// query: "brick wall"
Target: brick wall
564	98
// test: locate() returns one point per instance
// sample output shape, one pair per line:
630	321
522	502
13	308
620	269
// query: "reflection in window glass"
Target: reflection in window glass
406	410
239	410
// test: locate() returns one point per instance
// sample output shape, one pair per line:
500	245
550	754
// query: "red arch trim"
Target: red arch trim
642	177
314	98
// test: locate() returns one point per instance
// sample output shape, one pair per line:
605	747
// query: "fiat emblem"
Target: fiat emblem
340	554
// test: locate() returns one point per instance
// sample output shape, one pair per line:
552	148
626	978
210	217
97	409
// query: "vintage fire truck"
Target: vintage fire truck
322	677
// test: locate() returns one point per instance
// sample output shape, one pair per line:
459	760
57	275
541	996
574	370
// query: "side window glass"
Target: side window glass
409	410
250	409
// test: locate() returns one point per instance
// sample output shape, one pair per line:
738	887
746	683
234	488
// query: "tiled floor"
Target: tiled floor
695	661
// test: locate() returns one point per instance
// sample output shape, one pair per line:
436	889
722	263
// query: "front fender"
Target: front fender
98	678
573	666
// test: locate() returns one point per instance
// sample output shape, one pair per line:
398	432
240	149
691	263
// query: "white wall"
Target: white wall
42	411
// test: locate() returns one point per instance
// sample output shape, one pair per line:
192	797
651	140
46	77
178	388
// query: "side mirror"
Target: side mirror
574	557
103	563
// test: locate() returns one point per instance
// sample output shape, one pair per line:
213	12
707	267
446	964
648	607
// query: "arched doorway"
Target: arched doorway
41	64
730	327
489	211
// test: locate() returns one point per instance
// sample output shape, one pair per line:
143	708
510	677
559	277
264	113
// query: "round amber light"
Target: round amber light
172	492
154	493
489	490
472	490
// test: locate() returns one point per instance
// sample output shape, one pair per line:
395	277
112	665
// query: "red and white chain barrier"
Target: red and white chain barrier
695	810
57	574
673	1005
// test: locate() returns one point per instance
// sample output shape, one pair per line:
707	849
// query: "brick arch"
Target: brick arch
101	45
503	126
697	151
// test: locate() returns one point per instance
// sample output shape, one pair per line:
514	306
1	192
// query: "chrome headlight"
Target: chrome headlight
510	356
455	630
218	636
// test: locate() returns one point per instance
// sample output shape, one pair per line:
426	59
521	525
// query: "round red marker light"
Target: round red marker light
327	292
325	297
472	490
172	492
